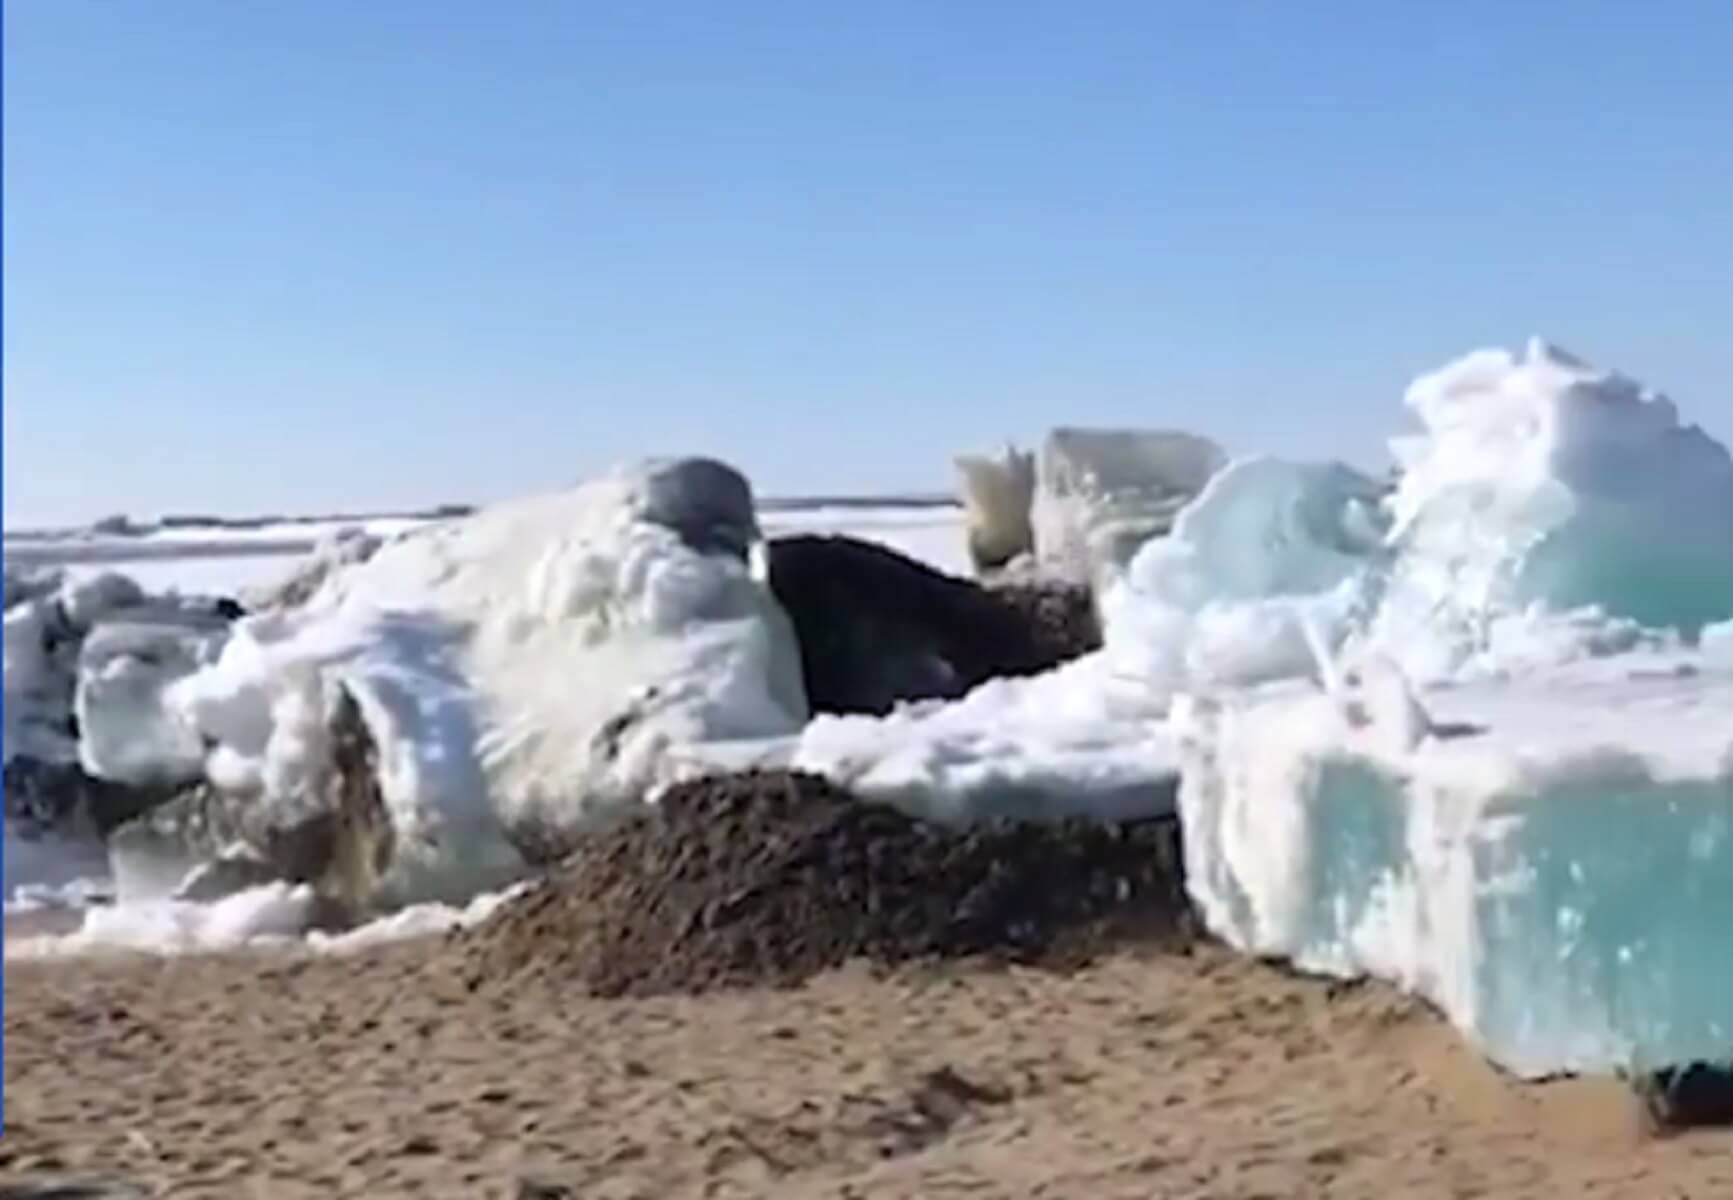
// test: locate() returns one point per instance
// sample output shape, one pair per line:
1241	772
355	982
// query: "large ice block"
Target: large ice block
1548	859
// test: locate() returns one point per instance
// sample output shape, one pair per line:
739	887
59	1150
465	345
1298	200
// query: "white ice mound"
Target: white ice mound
1100	493
1540	480
1547	860
522	672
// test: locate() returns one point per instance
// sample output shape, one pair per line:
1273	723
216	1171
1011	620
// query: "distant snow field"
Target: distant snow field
221	560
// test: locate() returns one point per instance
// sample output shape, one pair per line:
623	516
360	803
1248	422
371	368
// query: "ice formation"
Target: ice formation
124	668
998	497
1539	840
1266	569
1432	736
521	672
1101	494
1548	862
1538	480
1472	736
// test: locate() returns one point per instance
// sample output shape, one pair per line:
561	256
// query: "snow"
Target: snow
272	916
932	534
52	871
410	657
1077	740
263	916
418	920
1470	735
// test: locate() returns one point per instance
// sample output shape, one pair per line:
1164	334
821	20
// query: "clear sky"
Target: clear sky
267	255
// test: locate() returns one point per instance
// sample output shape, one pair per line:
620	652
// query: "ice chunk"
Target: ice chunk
1549	861
88	601
1271	557
125	731
38	682
998	497
1100	494
1540	480
523	670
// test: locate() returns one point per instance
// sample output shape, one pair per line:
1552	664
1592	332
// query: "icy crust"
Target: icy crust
524	670
1548	862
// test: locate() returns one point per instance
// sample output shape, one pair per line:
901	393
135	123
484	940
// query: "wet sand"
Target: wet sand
1147	1074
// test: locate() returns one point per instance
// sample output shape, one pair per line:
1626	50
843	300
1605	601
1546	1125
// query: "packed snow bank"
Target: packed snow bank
521	673
1547	860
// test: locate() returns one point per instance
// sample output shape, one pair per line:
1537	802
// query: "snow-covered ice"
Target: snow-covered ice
1512	790
521	670
1474	735
405	631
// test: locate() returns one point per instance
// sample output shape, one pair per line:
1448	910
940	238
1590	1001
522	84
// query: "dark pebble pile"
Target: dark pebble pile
769	877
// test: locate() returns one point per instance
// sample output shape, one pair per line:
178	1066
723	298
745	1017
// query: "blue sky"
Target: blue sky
315	254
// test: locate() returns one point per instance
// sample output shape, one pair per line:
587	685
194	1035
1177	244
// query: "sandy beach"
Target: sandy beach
1174	1074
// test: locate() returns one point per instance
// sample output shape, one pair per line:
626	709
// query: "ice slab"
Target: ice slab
1102	493
1549	859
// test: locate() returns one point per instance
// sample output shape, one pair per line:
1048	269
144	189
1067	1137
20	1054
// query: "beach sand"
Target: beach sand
1146	1074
